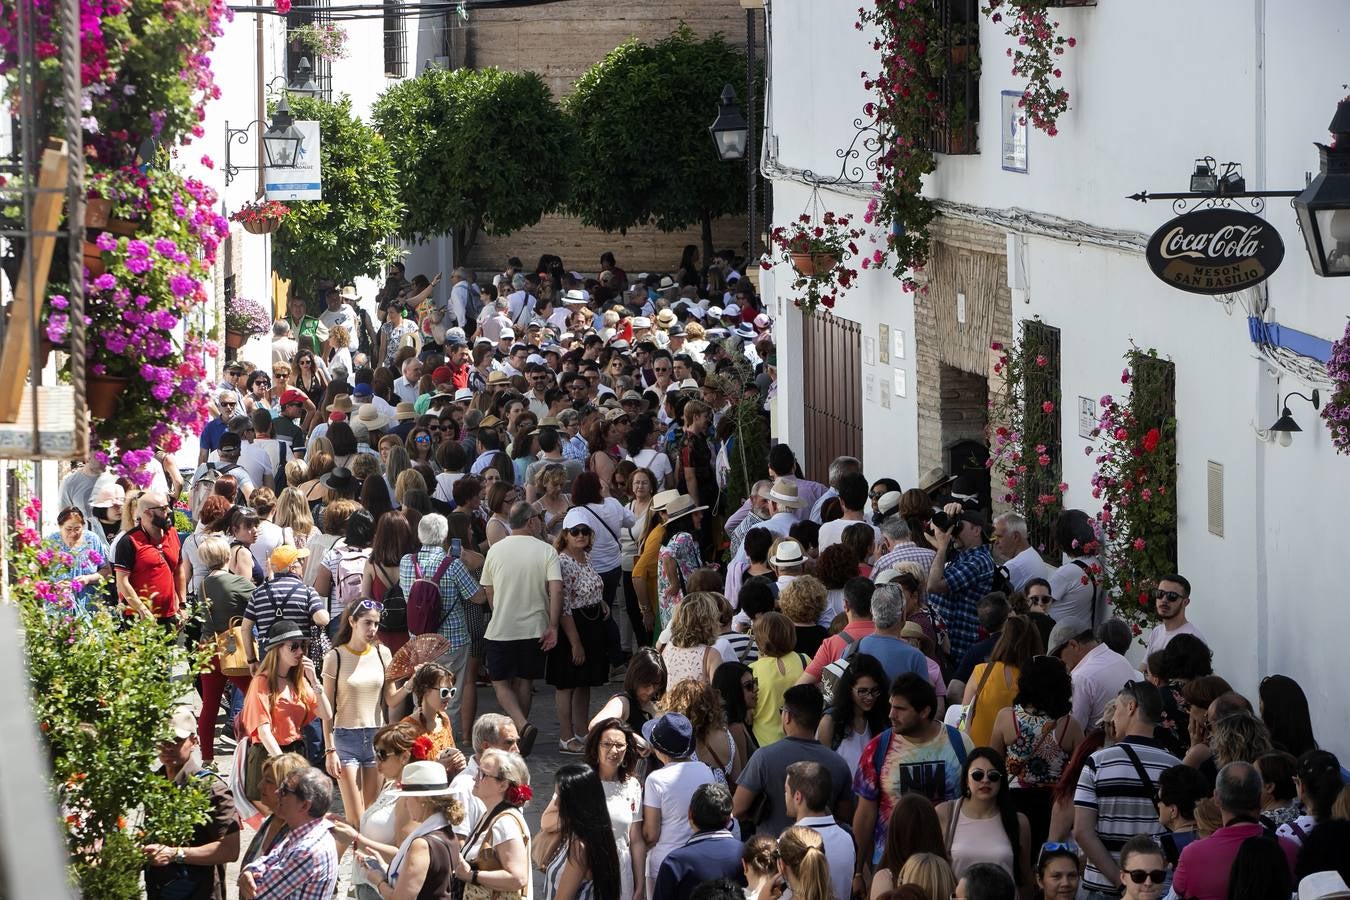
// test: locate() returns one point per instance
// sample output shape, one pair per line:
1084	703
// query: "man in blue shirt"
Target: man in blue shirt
958	586
712	853
896	655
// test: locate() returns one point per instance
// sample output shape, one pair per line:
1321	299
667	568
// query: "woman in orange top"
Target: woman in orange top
432	686
993	685
283	696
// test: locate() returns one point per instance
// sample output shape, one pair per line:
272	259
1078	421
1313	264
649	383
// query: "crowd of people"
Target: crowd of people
833	689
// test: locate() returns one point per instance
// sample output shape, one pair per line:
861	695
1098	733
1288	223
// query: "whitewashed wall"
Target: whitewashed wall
1153	86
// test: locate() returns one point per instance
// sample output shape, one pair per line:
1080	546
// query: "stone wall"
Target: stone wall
953	356
560	41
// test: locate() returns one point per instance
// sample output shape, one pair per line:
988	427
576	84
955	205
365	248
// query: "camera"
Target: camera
943	522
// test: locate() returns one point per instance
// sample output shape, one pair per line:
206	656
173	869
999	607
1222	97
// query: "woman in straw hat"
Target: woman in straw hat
426	860
680	555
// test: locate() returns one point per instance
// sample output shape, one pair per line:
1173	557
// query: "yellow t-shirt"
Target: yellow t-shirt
359	687
775	676
999	691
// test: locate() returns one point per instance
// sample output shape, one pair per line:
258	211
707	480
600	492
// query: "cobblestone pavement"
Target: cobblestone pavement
544	763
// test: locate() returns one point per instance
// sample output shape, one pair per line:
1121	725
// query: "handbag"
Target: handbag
487	861
968	714
253	766
231	649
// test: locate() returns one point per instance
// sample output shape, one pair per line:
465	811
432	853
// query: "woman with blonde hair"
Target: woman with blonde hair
273	829
701	704
930	873
802	862
385	822
803	601
408	480
319	463
551	498
292	514
226	595
694	630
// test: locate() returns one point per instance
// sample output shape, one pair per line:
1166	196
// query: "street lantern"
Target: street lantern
303	83
729	130
282	139
1324	207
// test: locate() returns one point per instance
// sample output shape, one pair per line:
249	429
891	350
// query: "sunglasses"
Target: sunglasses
1139	876
867	692
1169	596
297	646
382	755
751	685
447	693
366	605
422	439
580	531
1057	847
978	775
229	405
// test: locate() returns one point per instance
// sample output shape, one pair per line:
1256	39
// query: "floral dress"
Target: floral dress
86	558
683	548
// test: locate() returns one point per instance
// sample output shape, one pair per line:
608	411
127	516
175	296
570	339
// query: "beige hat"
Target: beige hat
689	384
934	479
788	553
546	422
498	377
888	501
666	318
613	415
911	630
1323	886
662	498
404	412
341	403
784	493
349	292
681	506
183	721
489	421
371	417
641	322
630	396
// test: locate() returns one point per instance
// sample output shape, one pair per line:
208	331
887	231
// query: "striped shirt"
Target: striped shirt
906	552
1110	784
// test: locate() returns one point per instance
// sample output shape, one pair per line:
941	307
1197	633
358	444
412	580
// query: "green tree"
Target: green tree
347	233
643	154
480	150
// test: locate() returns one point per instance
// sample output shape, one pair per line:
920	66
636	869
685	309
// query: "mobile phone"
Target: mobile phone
456	548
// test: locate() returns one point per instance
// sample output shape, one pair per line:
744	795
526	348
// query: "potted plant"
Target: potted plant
1336	411
325	41
261	218
819	252
243	319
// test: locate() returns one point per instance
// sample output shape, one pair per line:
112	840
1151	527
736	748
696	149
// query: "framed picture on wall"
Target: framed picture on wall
1013	131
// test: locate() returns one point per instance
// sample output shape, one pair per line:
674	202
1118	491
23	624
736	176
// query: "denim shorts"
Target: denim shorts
355	746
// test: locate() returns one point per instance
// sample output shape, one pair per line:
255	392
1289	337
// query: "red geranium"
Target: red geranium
519	794
1151	440
423	748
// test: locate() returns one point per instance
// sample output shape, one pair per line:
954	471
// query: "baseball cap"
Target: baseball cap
291	395
107	492
285	555
363	390
183	721
508	334
442	375
1066	630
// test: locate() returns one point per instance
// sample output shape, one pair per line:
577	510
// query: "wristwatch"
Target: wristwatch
180	856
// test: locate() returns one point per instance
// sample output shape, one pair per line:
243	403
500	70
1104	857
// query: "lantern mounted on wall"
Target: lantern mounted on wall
729	130
1324	207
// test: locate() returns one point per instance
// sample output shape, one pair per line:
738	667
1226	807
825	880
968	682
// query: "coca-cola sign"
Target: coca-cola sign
1215	251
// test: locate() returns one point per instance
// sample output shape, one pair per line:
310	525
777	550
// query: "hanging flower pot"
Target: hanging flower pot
235	339
93	259
262	226
101	392
122	226
97	211
808	264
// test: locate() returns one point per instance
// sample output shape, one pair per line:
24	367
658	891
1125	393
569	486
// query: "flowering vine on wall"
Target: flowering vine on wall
1037	46
1024	447
1136	482
906	108
1336	412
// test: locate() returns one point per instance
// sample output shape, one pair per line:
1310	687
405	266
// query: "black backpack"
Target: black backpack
1002	581
395	605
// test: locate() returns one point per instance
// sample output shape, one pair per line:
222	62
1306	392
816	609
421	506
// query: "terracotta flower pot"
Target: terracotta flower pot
101	393
93	259
809	264
235	339
262	226
96	212
122	226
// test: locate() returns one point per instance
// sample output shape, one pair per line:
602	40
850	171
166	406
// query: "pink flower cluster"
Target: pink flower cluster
1038	45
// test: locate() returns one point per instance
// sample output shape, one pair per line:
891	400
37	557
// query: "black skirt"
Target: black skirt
594	670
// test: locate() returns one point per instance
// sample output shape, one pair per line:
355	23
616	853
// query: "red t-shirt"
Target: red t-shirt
150	568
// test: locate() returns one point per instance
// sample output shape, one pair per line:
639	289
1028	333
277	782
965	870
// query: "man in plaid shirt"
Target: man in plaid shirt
458	588
958	586
900	547
304	866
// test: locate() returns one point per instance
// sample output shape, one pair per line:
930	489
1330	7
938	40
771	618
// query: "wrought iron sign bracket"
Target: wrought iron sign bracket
865	146
1188	201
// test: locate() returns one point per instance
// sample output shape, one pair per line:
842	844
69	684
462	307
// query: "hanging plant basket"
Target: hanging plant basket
97	211
809	264
93	259
122	226
235	339
101	392
262	226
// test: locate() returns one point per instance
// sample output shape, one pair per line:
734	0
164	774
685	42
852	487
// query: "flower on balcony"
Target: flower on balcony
324	40
1037	45
244	316
258	213
819	252
1336	411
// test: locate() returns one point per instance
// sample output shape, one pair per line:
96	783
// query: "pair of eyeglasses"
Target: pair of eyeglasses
1041	598
876	495
1057	847
447	693
231	404
154	509
1139	876
297	646
286	790
867	692
1169	596
482	775
366	605
751	685
382	755
978	775
580	531
614	746
422	439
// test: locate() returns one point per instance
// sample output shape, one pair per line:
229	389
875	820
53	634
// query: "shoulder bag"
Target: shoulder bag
487	860
231	649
